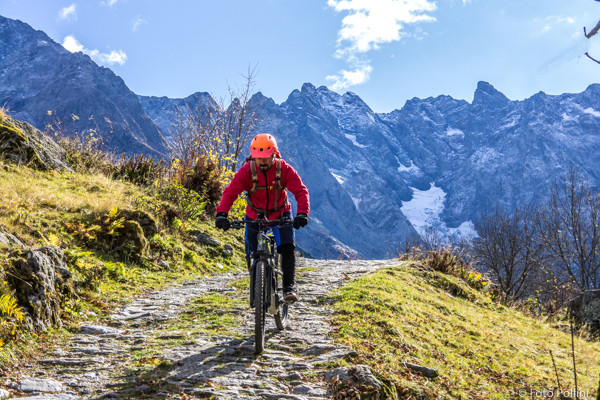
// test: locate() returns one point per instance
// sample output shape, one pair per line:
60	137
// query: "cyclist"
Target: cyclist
267	178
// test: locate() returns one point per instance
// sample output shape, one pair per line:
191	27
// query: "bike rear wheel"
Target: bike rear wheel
259	306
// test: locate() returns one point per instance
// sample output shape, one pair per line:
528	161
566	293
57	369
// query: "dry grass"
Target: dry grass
3	113
24	191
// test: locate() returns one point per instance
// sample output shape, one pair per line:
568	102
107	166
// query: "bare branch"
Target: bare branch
591	58
593	31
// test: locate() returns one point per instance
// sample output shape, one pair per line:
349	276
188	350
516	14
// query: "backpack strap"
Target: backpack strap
255	186
278	174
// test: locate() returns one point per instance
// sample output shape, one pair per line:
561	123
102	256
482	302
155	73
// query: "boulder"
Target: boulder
203	238
38	277
586	308
425	371
358	381
40	385
120	231
146	221
23	144
9	240
227	250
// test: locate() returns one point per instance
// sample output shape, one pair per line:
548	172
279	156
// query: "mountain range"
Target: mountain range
374	178
44	84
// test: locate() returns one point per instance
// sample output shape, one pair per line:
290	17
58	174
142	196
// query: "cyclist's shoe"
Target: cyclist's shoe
289	296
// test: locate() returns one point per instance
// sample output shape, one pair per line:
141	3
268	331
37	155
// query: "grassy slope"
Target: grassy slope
47	208
481	350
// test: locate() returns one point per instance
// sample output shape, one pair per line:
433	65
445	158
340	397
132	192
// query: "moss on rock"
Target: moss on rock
22	144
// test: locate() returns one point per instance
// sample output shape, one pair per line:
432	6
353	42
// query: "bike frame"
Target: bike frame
264	265
265	249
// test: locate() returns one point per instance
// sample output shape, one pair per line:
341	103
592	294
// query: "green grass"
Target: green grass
481	350
212	314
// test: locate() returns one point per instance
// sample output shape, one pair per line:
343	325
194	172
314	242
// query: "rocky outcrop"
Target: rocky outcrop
357	382
23	144
586	308
9	239
39	278
358	374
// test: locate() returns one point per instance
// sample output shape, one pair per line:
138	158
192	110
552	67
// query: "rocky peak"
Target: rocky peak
487	95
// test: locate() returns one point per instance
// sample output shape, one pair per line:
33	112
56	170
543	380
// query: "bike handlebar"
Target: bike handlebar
265	223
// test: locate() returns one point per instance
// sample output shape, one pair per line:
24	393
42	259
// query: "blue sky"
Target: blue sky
386	51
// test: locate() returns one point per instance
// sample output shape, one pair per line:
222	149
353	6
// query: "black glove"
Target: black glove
222	222
300	220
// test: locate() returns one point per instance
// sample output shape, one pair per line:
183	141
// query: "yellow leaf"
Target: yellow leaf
113	213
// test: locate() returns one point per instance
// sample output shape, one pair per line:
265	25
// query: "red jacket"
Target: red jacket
290	180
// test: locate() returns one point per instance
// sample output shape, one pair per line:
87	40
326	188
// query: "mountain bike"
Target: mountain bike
265	296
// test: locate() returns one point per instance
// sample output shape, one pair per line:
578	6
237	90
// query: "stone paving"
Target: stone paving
93	364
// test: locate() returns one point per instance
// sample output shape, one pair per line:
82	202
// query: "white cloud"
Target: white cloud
109	3
552	22
373	22
369	24
138	22
69	12
114	57
344	79
71	44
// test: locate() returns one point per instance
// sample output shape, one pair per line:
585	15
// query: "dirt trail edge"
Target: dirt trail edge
104	362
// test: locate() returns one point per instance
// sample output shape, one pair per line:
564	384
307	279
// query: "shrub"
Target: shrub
204	176
85	156
450	261
11	317
141	170
171	201
114	232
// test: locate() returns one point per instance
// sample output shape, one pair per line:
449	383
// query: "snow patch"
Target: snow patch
353	140
566	117
424	212
425	207
412	168
591	111
454	132
339	178
510	124
426	118
466	230
355	201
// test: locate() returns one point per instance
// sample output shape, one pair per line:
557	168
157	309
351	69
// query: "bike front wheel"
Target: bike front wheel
259	306
281	318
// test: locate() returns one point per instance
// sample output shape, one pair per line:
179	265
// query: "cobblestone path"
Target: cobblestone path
105	362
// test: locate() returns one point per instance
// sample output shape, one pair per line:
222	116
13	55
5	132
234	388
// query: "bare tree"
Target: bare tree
217	131
507	249
570	232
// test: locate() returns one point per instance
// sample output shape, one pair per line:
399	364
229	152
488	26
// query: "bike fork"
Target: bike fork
252	270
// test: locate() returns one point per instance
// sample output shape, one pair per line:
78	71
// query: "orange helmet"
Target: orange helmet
263	146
